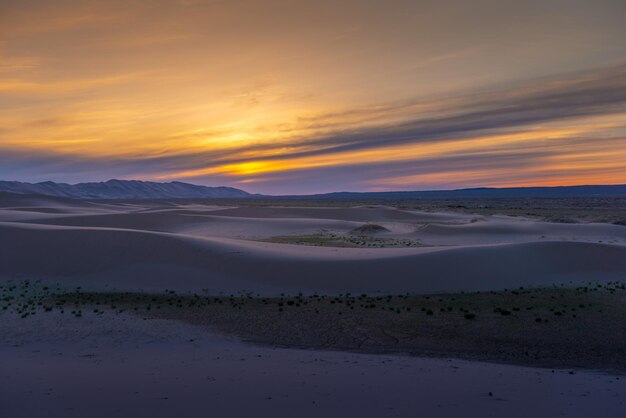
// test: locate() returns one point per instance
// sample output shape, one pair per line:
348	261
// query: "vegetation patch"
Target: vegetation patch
551	327
329	239
369	229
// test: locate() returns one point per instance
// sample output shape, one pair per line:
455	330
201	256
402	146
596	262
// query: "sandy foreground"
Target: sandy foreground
104	365
120	366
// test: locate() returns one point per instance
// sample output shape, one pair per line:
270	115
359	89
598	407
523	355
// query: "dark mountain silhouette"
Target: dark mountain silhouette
483	192
135	189
123	189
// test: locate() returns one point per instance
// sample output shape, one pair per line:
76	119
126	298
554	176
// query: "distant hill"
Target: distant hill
135	189
123	189
483	192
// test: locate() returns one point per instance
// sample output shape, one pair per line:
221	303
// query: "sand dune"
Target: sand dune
161	367
438	229
194	247
509	231
356	214
200	223
129	259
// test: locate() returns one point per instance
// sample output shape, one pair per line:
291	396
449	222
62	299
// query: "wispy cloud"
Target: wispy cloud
39	88
324	95
463	124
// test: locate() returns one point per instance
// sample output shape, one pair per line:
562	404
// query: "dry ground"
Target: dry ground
582	327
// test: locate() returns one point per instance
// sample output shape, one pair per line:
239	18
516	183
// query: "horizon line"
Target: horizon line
330	192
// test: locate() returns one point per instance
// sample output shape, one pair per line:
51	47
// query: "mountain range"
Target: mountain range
123	189
136	189
483	192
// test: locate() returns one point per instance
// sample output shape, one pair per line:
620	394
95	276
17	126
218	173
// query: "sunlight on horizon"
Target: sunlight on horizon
371	96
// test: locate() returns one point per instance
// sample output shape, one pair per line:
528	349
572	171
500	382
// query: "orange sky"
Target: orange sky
304	97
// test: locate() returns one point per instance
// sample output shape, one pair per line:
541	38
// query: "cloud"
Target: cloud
472	116
592	93
346	94
486	132
20	86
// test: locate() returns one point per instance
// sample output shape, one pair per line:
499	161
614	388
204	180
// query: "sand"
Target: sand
192	247
107	365
120	366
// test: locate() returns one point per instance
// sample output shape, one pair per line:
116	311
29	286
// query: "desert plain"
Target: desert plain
204	308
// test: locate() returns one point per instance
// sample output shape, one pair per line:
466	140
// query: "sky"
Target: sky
298	97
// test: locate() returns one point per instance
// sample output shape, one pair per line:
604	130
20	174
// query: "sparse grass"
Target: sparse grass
369	229
557	326
329	239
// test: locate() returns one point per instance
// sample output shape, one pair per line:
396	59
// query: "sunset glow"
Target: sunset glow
306	97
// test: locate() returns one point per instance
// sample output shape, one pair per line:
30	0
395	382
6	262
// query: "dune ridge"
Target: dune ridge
194	247
134	259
